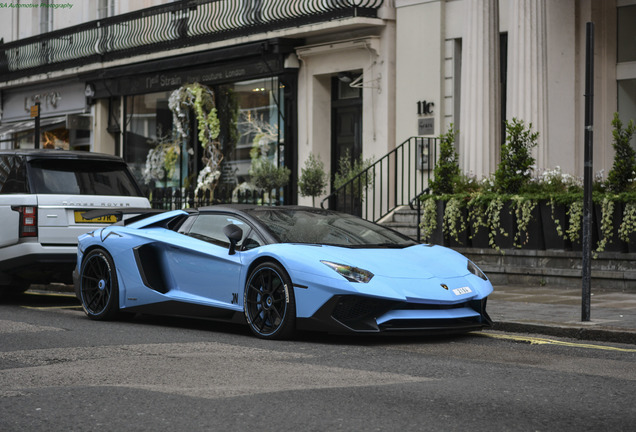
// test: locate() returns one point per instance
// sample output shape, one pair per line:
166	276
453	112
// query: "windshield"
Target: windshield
328	228
82	177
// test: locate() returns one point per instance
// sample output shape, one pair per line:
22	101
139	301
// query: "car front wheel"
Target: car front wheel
99	292
270	307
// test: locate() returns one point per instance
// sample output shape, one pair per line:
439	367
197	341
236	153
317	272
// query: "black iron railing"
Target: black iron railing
390	182
178	24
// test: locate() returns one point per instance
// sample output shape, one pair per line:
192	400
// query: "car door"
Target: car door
200	265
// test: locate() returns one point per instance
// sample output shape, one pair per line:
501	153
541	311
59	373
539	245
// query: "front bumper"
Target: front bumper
364	315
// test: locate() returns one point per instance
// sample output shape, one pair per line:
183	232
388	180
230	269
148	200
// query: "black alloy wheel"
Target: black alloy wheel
270	307
99	292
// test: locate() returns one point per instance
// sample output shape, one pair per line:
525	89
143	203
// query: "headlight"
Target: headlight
475	270
352	274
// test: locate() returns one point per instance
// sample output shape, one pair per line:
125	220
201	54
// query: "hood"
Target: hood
419	261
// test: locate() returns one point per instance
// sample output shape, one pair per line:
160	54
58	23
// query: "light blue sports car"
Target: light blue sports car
278	269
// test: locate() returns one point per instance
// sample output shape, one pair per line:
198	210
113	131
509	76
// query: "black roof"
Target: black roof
60	154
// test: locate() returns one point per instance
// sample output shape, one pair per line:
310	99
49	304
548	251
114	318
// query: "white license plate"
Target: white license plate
462	291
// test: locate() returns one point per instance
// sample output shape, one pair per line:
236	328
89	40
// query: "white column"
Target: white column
527	70
480	89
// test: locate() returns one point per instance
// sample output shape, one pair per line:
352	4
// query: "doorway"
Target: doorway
346	133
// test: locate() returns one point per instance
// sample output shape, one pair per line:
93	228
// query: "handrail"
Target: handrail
418	199
174	25
390	182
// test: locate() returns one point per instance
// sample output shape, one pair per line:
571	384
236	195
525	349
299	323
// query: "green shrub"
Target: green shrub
313	178
515	169
348	170
622	173
446	172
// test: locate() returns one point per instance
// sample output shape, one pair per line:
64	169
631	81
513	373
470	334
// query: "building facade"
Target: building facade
333	78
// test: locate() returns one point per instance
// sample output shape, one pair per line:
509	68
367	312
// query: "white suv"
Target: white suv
43	196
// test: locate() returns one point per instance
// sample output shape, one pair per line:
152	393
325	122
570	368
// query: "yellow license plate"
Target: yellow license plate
79	218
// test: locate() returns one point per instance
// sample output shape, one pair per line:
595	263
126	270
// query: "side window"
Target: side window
13	177
209	228
250	241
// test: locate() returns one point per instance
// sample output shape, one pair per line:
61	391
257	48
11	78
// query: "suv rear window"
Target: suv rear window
81	177
13	177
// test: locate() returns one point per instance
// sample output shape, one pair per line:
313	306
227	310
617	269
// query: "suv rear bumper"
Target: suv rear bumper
34	263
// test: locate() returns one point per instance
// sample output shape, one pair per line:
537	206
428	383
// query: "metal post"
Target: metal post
588	174
36	110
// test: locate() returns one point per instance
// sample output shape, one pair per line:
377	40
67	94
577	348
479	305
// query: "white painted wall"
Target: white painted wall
419	64
318	64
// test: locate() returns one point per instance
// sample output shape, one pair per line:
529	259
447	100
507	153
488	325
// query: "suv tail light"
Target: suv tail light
28	221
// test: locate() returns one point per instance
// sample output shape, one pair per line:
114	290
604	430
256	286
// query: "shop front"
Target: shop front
63	123
253	92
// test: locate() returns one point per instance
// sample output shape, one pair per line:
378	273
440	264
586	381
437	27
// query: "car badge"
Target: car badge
445	286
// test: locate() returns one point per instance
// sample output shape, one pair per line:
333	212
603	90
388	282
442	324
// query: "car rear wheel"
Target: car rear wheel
270	307
99	292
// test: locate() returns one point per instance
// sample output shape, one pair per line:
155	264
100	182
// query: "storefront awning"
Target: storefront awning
15	127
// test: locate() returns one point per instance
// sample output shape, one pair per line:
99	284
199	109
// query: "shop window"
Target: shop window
626	34
251	126
627	101
626	41
152	151
254	127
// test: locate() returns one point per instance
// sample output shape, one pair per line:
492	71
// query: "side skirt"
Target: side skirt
189	310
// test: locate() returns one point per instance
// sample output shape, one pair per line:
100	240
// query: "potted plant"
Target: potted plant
450	211
352	178
512	174
313	178
610	208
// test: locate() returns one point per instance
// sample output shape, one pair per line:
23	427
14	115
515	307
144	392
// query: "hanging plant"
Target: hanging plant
523	213
575	218
557	222
454	222
476	206
606	222
628	224
200	99
428	223
493	217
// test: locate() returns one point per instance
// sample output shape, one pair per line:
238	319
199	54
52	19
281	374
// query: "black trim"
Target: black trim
148	259
189	310
213	67
40	268
356	314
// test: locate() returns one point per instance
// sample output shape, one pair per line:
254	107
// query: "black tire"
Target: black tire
269	303
99	291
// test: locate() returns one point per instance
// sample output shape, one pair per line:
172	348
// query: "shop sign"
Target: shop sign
150	83
425	124
47	100
54	100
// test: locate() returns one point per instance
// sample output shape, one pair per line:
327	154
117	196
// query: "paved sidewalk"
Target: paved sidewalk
557	311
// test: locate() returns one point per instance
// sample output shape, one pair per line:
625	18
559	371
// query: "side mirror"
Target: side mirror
234	234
